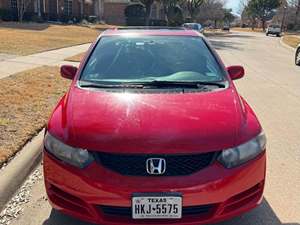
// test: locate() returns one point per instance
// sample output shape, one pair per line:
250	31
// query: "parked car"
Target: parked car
274	30
194	26
226	28
152	127
297	56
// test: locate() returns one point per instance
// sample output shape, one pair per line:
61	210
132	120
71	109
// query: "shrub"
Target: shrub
6	15
158	23
38	19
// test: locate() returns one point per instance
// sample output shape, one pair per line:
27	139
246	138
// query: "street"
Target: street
272	87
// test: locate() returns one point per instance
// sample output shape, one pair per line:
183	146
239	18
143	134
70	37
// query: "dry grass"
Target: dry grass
76	58
102	27
291	40
29	38
27	100
248	29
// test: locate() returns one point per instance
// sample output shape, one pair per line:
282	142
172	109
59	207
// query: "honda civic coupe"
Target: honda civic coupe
153	131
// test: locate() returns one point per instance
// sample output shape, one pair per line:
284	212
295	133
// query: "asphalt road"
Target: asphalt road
272	87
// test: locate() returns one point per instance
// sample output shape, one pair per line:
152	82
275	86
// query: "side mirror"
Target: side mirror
68	71
236	72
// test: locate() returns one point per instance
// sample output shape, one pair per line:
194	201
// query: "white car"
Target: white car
194	26
297	56
226	28
274	29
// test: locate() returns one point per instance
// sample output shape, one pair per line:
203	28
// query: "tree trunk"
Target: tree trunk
252	23
81	8
263	24
166	14
192	14
22	6
21	11
297	15
21	18
148	13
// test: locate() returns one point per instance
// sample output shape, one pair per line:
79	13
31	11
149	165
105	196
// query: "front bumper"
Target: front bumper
88	193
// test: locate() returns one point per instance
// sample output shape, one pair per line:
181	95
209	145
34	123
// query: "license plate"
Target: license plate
156	206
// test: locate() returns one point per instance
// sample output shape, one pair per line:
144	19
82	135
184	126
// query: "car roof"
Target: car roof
151	31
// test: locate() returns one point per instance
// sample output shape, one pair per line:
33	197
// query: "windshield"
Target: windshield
193	26
147	58
275	26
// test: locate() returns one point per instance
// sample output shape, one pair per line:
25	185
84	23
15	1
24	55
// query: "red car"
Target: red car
153	131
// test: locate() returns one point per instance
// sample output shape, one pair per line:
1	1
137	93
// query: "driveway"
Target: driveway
272	87
4	56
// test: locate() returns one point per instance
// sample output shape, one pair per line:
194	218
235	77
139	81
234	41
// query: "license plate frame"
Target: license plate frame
166	201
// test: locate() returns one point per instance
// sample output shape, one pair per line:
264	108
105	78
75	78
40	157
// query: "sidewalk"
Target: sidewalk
18	64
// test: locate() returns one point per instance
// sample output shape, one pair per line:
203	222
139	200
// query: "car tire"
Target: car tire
278	35
297	57
267	34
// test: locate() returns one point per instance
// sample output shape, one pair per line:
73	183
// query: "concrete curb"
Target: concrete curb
285	45
13	176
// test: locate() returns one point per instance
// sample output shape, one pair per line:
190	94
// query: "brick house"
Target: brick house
110	11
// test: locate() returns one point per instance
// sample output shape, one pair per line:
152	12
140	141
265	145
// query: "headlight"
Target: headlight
233	157
75	156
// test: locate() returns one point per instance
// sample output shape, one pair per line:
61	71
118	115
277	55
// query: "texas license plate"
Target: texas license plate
158	206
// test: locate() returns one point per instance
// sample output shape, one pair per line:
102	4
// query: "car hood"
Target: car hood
149	123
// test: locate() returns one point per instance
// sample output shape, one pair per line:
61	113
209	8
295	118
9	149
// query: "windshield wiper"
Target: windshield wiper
186	84
86	84
150	84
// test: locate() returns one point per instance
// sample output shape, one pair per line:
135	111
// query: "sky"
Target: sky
233	4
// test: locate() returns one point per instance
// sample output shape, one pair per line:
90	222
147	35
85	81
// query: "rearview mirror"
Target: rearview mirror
68	71
236	72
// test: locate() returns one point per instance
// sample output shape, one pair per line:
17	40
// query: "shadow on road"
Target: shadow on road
222	41
220	45
263	215
229	35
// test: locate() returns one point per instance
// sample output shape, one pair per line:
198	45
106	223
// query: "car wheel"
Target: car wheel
267	34
297	57
278	35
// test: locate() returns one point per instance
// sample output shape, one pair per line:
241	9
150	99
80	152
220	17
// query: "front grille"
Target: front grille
135	164
202	210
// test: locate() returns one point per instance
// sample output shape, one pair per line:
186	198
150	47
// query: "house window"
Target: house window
68	7
13	4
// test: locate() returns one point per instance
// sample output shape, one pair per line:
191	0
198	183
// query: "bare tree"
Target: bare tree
211	11
242	5
217	13
167	5
193	7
